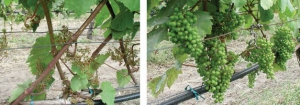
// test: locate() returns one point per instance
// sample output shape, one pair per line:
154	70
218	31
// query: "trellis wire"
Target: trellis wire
45	46
42	31
169	47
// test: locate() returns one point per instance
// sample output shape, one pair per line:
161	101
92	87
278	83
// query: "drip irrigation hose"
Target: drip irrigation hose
117	99
201	89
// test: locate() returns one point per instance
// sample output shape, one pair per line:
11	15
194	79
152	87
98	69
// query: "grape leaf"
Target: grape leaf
123	78
156	36
169	9
19	90
157	85
34	26
37	97
286	4
78	70
151	4
79	6
38	54
266	4
239	3
203	22
132	5
108	93
78	83
119	34
191	2
24	3
101	16
135	29
7	2
106	24
179	55
277	68
100	59
122	21
115	6
172	75
157	21
265	15
248	20
107	33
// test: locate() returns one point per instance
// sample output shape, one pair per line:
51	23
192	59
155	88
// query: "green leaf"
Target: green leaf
78	83
248	20
156	21
106	24
151	4
78	70
19	90
191	2
101	16
266	4
286	4
122	21
115	6
239	3
41	96
108	93
169	9
7	2
179	55
172	75
79	6
34	26
203	23
132	5
135	29
157	85
277	68
119	34
123	78
265	15
39	55
161	84
156	36
107	33
99	60
24	3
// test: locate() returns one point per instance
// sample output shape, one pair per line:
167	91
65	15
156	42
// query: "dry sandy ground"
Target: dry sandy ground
14	70
238	93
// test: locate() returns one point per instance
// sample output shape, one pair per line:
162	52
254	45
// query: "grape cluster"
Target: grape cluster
226	22
251	78
261	53
283	46
183	33
216	67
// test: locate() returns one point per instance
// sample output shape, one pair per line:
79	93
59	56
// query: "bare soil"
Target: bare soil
238	93
14	70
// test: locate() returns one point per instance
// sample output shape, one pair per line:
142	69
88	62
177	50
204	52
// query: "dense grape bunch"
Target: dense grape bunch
283	46
261	53
182	33
225	22
216	67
